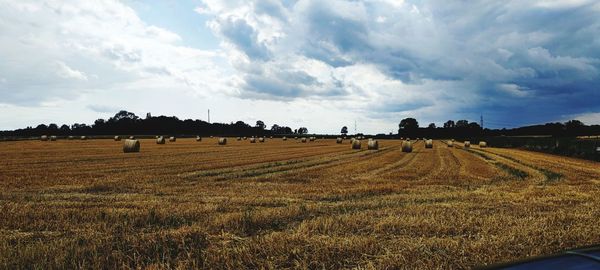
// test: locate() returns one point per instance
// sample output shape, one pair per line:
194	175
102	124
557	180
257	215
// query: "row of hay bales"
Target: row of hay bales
467	144
54	138
357	145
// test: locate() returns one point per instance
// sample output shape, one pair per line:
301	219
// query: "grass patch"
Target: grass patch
513	171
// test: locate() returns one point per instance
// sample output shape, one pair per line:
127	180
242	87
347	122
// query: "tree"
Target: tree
449	124
99	122
344	130
65	128
462	123
302	130
53	127
574	124
474	125
260	124
409	123
123	115
431	125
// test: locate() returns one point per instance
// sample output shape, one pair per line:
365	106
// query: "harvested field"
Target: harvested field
287	204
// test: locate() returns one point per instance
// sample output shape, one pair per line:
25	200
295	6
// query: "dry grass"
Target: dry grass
85	204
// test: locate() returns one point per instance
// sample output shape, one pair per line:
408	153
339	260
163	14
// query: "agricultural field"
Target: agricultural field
286	204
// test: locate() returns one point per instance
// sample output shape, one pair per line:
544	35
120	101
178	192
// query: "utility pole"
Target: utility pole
209	116
481	121
354	126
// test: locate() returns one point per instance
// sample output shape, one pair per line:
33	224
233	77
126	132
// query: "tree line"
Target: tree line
125	122
409	127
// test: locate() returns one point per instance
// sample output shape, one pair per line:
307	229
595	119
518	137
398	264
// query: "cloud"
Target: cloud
512	61
502	55
64	71
64	49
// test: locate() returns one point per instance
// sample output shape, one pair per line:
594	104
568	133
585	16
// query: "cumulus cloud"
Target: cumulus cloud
435	60
62	49
544	53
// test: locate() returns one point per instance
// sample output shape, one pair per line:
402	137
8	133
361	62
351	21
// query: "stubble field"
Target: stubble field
287	204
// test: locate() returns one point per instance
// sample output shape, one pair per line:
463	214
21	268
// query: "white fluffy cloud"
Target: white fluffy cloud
374	61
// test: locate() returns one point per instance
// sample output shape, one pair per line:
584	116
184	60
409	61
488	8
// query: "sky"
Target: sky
317	64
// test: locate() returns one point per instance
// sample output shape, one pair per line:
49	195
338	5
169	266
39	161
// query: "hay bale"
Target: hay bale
53	138
450	143
172	139
407	146
271	137
284	138
245	138
132	137
482	144
239	138
295	138
356	144
373	144
198	138
211	136
304	139
339	140
467	144
117	138
160	140
44	138
222	141
261	139
252	140
428	143
131	146
71	137
84	138
312	139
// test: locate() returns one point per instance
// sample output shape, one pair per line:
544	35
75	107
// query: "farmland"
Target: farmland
287	204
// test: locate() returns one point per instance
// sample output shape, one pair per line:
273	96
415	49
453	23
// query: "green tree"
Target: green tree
344	130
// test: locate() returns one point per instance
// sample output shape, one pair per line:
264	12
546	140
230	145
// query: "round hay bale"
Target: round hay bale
304	139
428	143
271	137
198	138
356	144
373	144
71	137
295	138
252	140
172	139
131	146
160	140
339	140
211	136
222	141
312	139
117	138
239	138
245	138
44	138
467	144
52	138
84	138
132	137
261	139
284	138
482	144
450	143
406	146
